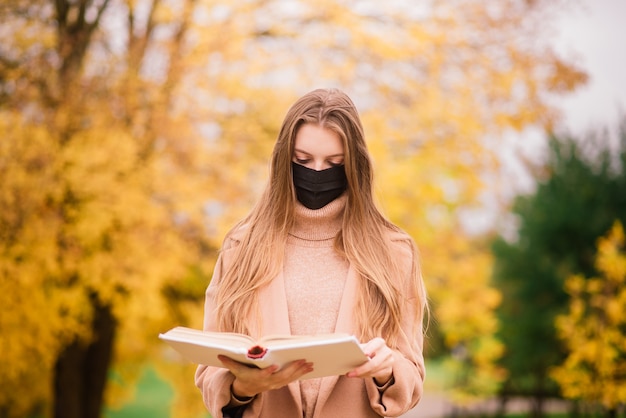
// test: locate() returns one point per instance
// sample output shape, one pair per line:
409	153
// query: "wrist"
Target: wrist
383	379
240	393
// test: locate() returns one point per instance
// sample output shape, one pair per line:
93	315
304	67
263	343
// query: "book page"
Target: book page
328	357
276	339
331	354
223	338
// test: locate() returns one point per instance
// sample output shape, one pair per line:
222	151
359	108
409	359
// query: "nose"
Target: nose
319	165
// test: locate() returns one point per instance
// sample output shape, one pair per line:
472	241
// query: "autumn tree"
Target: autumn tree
594	329
134	133
99	224
578	197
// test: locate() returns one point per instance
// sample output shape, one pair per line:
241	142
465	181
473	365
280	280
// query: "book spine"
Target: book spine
256	352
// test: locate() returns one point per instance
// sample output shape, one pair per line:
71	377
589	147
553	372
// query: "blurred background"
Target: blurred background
134	133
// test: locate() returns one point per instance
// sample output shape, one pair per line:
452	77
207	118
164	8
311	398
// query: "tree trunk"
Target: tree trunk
81	370
574	409
503	399
536	410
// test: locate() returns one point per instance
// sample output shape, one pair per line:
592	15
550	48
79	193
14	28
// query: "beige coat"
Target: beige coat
339	396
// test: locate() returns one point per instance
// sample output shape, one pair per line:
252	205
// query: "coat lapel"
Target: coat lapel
275	320
345	324
273	308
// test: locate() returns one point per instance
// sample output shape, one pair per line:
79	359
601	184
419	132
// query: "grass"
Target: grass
152	399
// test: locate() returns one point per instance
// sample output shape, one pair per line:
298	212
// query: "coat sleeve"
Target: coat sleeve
408	367
215	382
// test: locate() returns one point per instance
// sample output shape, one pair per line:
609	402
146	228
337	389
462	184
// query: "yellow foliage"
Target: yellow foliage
122	179
593	328
458	281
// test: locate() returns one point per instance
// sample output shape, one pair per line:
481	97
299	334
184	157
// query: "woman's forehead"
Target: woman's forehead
316	140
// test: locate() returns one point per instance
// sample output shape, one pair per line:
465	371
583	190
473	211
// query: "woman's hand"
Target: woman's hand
250	381
380	365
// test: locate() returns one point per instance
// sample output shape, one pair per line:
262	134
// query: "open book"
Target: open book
331	354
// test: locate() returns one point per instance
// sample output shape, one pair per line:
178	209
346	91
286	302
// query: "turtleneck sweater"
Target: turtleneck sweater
315	275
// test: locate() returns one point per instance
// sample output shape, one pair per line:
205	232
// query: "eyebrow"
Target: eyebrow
328	156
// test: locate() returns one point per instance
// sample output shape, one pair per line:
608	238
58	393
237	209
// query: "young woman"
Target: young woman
316	256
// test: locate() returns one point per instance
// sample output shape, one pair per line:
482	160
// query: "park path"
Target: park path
436	405
432	405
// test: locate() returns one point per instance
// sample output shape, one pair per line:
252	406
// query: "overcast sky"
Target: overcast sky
593	34
595	31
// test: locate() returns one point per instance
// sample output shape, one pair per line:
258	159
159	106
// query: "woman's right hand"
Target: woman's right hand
250	381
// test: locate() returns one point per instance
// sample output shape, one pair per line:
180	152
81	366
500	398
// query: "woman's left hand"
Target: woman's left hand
380	365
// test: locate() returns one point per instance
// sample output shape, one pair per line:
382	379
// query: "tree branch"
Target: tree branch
137	45
82	9
62	9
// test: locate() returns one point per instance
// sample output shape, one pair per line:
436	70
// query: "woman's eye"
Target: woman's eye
302	161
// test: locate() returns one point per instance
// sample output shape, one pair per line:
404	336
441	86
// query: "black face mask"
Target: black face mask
316	189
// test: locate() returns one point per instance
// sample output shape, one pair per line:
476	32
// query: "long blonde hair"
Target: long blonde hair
364	238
